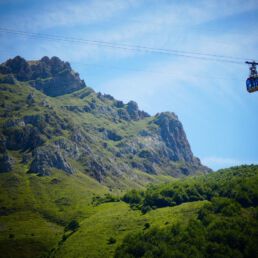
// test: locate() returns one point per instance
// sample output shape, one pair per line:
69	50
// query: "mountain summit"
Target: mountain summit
114	142
49	75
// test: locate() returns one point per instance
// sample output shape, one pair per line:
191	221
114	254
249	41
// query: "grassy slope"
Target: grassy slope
117	220
27	234
37	209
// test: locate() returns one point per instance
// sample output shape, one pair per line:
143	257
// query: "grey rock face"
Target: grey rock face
132	109
48	157
71	149
97	170
161	147
5	160
9	79
145	166
30	99
172	133
110	135
123	114
62	83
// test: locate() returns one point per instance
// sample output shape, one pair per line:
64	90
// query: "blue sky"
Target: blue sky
219	116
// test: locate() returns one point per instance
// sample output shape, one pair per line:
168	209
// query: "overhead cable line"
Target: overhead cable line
112	67
128	47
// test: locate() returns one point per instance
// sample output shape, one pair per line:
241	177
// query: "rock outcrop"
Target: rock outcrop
134	112
23	138
5	163
48	157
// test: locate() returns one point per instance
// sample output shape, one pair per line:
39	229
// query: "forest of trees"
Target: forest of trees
238	183
225	227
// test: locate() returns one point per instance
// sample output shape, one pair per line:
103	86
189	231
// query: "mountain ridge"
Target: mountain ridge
63	121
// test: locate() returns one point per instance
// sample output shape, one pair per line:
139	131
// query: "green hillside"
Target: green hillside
85	175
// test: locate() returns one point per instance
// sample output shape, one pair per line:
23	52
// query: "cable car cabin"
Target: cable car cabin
252	84
252	81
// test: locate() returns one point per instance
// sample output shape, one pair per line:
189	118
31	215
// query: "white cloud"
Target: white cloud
170	17
167	28
220	162
65	13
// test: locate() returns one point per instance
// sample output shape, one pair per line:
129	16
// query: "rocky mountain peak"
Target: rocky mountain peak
52	76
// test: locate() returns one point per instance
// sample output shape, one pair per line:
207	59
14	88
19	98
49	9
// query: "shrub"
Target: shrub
97	200
11	235
73	225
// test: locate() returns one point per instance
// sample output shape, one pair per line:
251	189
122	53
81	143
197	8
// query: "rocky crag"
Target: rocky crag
50	120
